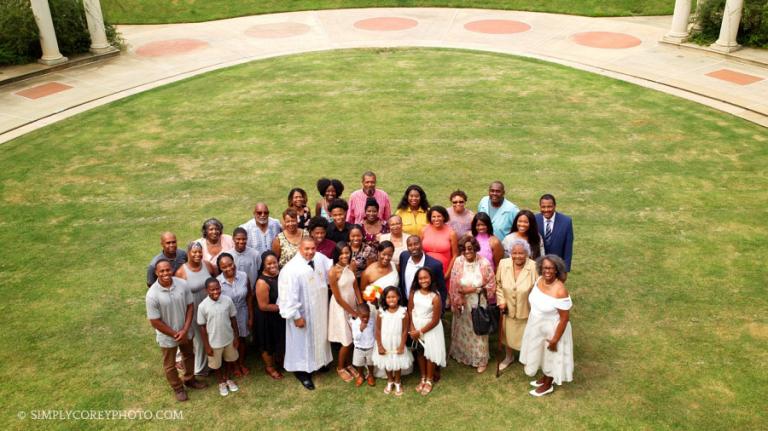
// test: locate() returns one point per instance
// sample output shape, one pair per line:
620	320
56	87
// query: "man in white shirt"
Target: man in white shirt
410	262
262	229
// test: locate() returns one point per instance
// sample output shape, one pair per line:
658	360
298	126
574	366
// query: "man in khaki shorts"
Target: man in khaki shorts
218	327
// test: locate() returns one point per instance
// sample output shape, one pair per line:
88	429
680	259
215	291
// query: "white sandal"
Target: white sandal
388	389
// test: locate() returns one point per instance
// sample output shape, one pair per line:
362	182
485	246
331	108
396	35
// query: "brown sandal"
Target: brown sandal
427	388
353	371
420	386
344	374
272	372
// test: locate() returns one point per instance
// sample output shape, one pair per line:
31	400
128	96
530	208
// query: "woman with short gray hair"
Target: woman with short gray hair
514	279
214	241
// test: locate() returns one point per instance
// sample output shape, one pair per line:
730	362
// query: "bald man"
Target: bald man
303	301
170	253
501	211
262	229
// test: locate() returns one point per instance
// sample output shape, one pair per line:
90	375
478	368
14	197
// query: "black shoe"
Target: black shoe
305	379
308	384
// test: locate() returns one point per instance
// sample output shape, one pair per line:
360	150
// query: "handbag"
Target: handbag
485	320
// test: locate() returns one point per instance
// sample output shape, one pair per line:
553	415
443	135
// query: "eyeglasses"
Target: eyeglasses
262	212
457	202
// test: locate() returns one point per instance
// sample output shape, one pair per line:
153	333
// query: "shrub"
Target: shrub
19	36
19	40
753	30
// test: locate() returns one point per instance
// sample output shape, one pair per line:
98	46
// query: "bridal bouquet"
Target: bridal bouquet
372	293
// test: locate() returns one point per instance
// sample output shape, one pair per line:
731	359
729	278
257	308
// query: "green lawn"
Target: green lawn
668	199
161	12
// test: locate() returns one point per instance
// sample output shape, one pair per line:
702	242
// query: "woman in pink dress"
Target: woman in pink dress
490	246
438	239
460	216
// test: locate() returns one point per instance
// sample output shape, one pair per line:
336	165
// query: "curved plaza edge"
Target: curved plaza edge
213	45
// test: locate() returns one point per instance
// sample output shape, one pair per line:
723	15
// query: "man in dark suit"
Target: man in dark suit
556	229
410	262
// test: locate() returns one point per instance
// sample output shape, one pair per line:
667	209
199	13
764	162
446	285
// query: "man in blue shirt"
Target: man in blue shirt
501	211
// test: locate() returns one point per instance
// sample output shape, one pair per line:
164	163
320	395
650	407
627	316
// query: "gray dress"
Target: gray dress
196	285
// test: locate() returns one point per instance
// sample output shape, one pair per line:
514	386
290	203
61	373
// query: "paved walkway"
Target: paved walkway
623	48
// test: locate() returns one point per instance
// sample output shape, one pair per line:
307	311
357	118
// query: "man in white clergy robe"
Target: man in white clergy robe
303	302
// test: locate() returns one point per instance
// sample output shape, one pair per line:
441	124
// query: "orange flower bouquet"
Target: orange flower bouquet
372	293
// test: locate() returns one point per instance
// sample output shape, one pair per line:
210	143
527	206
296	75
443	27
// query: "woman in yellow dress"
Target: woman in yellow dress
515	277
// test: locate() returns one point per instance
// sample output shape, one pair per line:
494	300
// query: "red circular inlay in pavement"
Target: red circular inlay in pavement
277	30
497	26
605	39
386	24
169	47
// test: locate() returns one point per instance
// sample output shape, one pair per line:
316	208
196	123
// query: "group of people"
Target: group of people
374	282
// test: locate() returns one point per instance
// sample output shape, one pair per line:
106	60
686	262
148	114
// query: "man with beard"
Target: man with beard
356	212
262	229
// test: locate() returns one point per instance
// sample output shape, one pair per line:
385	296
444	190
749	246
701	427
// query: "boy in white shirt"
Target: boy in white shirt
364	339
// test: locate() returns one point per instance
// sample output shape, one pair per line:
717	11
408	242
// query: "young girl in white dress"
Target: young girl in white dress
391	329
426	329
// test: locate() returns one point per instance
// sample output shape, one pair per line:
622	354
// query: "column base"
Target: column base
676	38
102	50
724	48
53	61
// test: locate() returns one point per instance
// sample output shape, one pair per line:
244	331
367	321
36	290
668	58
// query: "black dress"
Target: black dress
269	327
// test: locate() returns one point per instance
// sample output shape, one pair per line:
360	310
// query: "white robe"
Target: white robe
303	293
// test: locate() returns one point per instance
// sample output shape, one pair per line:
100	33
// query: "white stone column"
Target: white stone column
48	42
730	27
679	31
697	15
95	19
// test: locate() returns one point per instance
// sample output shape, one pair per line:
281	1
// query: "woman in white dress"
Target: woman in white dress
548	339
383	272
341	308
426	329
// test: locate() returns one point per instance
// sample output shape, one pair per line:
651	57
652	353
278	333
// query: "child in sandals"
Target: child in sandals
391	330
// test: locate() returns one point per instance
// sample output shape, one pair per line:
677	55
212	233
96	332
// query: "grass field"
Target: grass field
668	199
162	12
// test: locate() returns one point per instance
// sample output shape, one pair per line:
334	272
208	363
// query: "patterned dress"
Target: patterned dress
361	258
467	347
287	248
370	238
